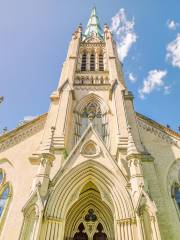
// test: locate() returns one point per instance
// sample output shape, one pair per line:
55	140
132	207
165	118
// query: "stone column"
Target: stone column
79	62
140	227
125	229
134	162
54	229
155	228
37	227
65	104
88	61
42	177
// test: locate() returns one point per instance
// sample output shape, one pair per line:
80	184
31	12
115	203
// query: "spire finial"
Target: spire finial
93	26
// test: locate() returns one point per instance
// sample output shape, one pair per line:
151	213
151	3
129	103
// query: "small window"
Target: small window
101	63
3	199
177	196
83	64
92	62
1	176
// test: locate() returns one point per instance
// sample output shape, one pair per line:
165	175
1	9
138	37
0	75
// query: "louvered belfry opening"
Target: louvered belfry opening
92	62
101	62
83	64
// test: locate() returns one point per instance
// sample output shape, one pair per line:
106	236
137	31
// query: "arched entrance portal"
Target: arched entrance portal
89	217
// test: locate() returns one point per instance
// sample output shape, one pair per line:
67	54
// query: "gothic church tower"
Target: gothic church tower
92	161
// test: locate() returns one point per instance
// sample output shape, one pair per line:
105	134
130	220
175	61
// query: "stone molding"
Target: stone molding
54	220
170	136
90	78
89	44
126	220
21	133
93	87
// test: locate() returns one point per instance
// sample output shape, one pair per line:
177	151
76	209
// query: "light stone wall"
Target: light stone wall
156	174
19	173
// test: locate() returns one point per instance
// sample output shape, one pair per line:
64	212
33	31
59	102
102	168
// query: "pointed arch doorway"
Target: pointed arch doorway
89	218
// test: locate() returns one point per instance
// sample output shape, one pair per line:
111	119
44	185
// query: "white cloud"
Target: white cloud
172	25
154	81
123	30
167	89
132	77
26	120
29	118
173	52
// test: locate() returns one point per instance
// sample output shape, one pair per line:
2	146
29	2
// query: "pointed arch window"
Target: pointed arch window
92	62
91	113
101	62
84	62
177	197
1	176
4	199
176	194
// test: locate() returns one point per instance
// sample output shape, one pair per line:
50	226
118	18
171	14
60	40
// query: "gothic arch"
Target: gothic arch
67	189
173	174
5	198
91	211
173	182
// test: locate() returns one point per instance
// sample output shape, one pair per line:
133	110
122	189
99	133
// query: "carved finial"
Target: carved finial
5	130
106	25
131	144
52	136
1	99
53	130
106	28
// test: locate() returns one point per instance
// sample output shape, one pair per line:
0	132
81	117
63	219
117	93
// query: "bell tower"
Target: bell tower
89	182
91	89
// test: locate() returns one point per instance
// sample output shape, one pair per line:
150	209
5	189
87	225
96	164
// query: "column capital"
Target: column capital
47	158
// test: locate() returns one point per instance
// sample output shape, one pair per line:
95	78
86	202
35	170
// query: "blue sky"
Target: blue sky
34	37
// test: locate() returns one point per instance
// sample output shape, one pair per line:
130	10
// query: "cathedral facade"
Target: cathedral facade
91	168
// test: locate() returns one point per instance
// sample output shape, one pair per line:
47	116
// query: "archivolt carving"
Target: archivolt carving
62	205
102	178
89	210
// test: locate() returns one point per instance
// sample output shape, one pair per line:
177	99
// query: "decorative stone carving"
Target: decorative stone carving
91	216
157	132
90	149
21	133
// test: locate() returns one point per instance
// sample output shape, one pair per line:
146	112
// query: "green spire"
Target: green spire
93	26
